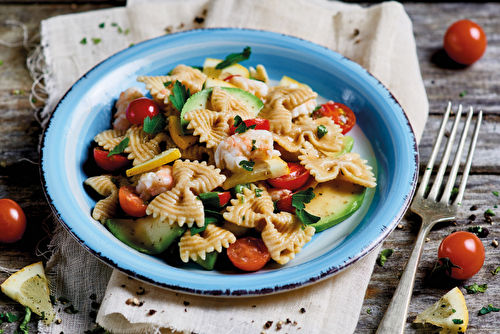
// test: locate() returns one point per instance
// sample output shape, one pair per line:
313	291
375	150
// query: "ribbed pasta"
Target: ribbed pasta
106	207
213	238
142	145
108	139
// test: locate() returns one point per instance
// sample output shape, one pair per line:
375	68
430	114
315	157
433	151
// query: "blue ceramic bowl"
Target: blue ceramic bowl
382	135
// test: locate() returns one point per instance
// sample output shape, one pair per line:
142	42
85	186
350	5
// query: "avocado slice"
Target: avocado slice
209	262
201	100
348	144
147	234
334	202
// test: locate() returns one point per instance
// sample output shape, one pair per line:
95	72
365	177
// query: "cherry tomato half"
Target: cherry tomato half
285	204
224	197
231	76
339	113
248	253
12	221
465	42
295	179
260	124
141	108
463	249
130	202
113	163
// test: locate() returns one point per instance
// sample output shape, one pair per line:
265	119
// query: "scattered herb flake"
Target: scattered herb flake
241	126
23	327
321	131
155	124
247	165
258	192
166	84
234	58
96	40
496	271
489	212
496	193
253	144
457	321
127	31
474	288
1	62
83	41
454	191
480	231
463	93
101	25
118	149
384	255
486	310
8	317
179	95
114	24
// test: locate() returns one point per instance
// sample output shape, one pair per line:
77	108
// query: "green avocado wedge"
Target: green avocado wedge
335	201
201	100
147	235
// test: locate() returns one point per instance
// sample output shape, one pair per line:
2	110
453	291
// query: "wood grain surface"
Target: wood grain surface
477	86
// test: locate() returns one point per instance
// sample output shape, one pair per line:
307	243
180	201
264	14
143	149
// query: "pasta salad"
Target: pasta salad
217	163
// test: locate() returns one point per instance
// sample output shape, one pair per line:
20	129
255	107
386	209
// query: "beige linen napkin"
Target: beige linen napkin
380	38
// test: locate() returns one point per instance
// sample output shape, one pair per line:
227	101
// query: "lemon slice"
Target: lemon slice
235	69
159	160
30	287
287	81
450	313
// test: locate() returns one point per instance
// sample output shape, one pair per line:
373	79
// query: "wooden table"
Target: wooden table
477	86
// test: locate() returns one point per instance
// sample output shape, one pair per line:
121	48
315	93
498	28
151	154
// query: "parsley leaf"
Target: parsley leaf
155	124
101	25
241	126
8	317
384	255
96	40
247	165
211	217
258	192
234	58
305	217
496	193
486	310
83	41
179	95
298	200
120	147
496	271
489	212
457	321
23	327
321	131
474	288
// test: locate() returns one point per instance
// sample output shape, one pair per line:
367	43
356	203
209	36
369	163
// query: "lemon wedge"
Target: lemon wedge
29	286
449	313
159	160
235	69
287	81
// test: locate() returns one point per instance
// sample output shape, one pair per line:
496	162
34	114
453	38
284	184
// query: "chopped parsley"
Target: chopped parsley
496	271
253	144
234	58
23	327
454	191
457	321
486	310
8	317
101	25
474	288
496	193
321	131
489	212
247	165
179	95
166	84
463	93
96	40
241	126
298	200
155	124
118	149
211	217
480	231
384	255
83	41
258	192
1	62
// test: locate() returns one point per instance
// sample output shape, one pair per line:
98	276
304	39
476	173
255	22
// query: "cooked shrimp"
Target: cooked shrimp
121	122
304	109
256	87
278	193
251	145
153	183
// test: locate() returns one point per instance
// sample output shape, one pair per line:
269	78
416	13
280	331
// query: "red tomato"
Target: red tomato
229	77
12	221
463	249
131	203
141	108
113	163
285	204
465	42
260	124
339	113
295	179
224	197
248	253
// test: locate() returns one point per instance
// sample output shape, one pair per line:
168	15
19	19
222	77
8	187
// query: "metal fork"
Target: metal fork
432	210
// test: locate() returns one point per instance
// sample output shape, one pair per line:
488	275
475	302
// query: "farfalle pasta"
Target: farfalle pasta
220	160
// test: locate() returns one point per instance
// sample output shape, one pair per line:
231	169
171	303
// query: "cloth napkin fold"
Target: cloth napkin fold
380	38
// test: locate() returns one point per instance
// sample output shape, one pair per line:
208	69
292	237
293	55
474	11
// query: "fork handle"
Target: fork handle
394	319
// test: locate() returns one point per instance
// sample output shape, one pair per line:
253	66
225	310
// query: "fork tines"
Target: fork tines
447	192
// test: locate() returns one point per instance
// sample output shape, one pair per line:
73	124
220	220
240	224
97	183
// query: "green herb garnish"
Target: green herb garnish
83	41
166	84
489	212
101	25
457	321
155	124
299	200
96	40
496	193
384	255
486	310
321	131
118	149
8	317
234	58
496	271
179	95
211	217
474	288
241	126
258	192
1	62
23	327
454	191
463	93
247	165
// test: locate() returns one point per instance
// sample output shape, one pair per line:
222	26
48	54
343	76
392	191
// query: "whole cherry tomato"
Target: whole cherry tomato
141	108
113	163
339	113
130	202
295	179
12	221
465	42
260	124
248	253
463	249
